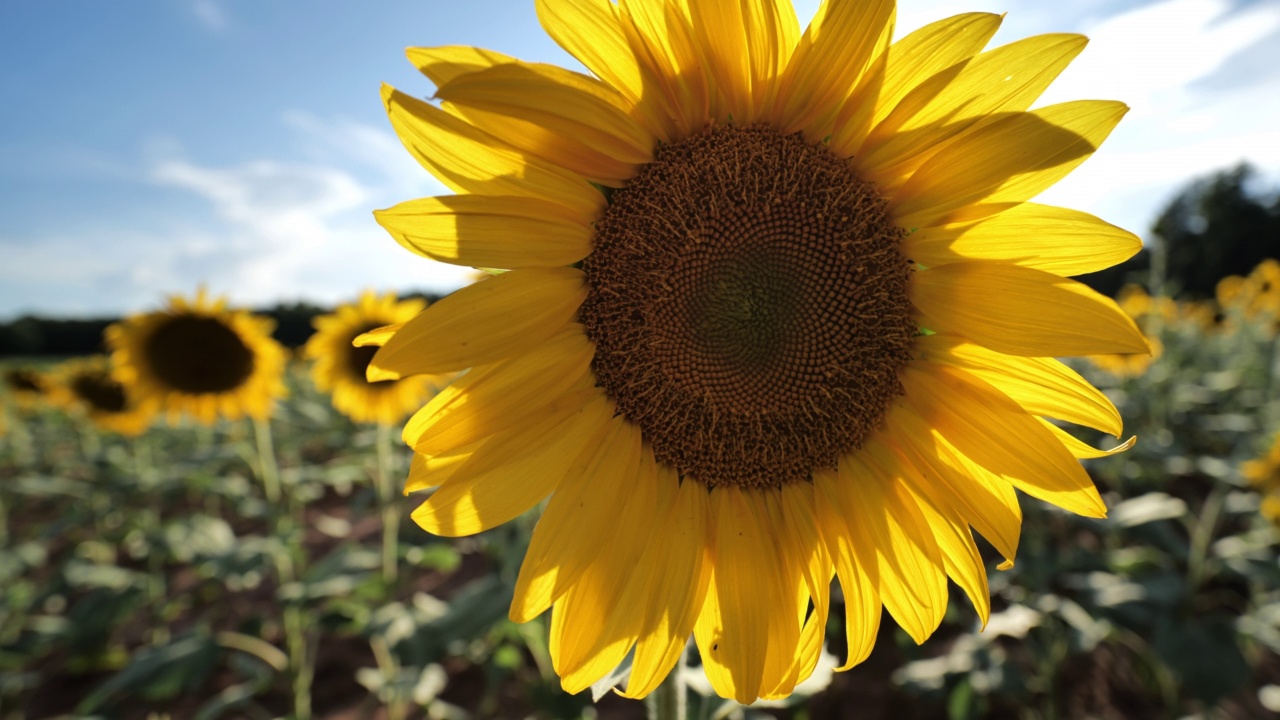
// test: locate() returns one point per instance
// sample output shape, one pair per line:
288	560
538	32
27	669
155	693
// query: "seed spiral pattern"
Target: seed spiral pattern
748	302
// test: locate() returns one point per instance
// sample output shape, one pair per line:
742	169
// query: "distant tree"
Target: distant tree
40	336
1223	225
1217	226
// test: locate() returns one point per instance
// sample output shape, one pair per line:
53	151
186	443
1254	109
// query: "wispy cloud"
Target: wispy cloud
270	230
1156	59
304	230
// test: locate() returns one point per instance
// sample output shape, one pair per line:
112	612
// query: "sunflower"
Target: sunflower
1263	473
1146	311
27	386
776	311
85	385
1254	298
199	358
340	367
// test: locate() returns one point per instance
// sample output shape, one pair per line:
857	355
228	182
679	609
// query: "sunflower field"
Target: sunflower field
147	575
775	392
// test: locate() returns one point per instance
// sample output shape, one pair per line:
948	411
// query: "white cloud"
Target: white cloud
1153	59
305	231
273	231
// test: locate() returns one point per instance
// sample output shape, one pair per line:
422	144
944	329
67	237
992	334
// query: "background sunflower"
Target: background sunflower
200	359
26	386
340	367
86	385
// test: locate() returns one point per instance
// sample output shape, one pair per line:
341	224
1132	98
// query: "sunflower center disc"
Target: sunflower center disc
100	392
22	381
358	358
198	355
748	302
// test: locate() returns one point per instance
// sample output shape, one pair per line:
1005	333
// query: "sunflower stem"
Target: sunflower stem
267	460
668	701
390	507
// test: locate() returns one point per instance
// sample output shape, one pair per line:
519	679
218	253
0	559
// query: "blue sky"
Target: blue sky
151	145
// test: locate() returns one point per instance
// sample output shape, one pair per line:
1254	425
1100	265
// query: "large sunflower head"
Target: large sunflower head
201	359
777	309
341	367
85	385
26	385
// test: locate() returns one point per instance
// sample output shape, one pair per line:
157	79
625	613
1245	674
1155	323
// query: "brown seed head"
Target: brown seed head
748	302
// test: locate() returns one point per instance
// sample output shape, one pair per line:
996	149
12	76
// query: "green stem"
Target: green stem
1202	535
267	467
300	660
390	507
297	641
257	647
668	701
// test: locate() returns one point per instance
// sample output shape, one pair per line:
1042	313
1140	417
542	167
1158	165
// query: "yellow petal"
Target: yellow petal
1057	240
377	337
1082	451
720	33
992	430
772	33
662	39
803	543
1042	386
426	472
1012	158
858	579
590	31
959	552
572	120
790	603
537	457
743	604
948	478
579	519
1006	79
470	160
444	64
482	403
672	575
829	59
1020	311
489	231
913	581
908	62
485	322
602	616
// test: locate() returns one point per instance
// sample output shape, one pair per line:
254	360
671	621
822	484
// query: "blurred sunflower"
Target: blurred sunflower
340	367
27	386
1146	311
201	359
86	385
1255	295
776	310
1263	473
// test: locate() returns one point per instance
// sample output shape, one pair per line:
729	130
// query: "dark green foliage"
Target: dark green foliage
1221	225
